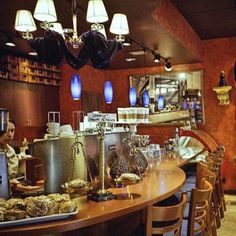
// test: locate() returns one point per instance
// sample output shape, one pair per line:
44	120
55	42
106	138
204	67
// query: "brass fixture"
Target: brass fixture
223	94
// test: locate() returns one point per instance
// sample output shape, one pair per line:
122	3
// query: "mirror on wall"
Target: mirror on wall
172	91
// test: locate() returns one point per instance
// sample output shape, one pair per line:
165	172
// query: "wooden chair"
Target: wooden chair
199	217
163	219
214	162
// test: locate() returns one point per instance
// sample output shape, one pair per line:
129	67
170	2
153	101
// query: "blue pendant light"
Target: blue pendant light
145	98
75	87
132	96
160	102
108	92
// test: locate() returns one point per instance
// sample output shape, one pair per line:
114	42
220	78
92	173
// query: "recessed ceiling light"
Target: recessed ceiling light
130	59
137	53
33	53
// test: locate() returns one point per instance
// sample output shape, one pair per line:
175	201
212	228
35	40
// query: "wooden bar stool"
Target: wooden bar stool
199	217
163	219
214	161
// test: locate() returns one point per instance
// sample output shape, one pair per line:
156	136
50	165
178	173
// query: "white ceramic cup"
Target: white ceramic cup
53	128
66	129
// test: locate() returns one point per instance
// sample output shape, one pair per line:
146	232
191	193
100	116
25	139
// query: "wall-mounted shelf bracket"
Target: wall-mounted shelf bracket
222	94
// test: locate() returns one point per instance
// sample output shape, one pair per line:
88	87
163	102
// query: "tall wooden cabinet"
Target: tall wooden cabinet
28	104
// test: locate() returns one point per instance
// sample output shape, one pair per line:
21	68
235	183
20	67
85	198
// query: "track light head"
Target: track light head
168	66
157	57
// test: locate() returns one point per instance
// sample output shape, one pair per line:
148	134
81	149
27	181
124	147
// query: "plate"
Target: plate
37	219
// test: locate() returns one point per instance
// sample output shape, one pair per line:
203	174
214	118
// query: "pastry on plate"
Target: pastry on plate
14	214
67	207
129	177
77	183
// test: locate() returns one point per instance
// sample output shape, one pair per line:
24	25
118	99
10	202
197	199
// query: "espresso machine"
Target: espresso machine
4	181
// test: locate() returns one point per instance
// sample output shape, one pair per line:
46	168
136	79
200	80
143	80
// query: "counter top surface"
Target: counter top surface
160	181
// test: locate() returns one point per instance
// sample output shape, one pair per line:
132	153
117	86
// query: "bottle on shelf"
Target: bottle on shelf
222	81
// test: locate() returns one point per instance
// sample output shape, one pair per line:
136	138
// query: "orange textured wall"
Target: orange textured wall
221	120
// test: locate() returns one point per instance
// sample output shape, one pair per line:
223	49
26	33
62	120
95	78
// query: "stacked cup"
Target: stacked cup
53	128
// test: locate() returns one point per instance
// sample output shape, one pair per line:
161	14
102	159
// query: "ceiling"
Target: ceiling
210	19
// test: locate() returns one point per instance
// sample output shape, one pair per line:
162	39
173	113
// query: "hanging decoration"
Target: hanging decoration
160	102
108	92
132	96
145	98
75	87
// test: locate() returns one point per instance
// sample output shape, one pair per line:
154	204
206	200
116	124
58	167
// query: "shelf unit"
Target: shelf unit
29	71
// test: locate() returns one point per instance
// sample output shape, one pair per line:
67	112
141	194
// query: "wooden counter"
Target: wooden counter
159	182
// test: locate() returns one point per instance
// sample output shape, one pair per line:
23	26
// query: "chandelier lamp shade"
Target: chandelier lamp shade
145	98
45	11
75	87
24	23
108	92
96	13
119	26
132	96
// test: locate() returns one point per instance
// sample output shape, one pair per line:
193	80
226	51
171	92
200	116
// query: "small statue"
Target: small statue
222	81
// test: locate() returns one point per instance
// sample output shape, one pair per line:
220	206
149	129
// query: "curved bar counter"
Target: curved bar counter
160	181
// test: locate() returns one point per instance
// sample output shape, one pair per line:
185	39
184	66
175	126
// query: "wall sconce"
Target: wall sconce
119	26
132	96
108	92
75	87
145	98
160	102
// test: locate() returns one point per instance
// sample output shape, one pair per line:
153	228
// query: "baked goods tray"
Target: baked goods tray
37	219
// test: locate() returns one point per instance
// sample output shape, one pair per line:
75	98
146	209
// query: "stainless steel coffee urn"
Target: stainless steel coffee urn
4	181
57	157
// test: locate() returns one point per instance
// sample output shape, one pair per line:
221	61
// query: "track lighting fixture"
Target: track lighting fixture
168	66
157	57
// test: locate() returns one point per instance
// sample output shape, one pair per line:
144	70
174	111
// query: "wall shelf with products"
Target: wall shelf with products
29	71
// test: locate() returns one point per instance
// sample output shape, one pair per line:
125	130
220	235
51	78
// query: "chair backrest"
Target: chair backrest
204	173
199	219
163	219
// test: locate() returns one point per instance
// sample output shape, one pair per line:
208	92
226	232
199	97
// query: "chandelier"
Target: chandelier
45	12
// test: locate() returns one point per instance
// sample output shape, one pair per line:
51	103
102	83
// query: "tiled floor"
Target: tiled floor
228	222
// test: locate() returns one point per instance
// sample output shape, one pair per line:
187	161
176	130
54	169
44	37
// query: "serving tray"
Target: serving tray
37	219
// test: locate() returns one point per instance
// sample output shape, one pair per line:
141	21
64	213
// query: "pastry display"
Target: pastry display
39	206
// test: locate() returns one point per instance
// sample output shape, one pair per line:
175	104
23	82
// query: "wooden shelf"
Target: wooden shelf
29	71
